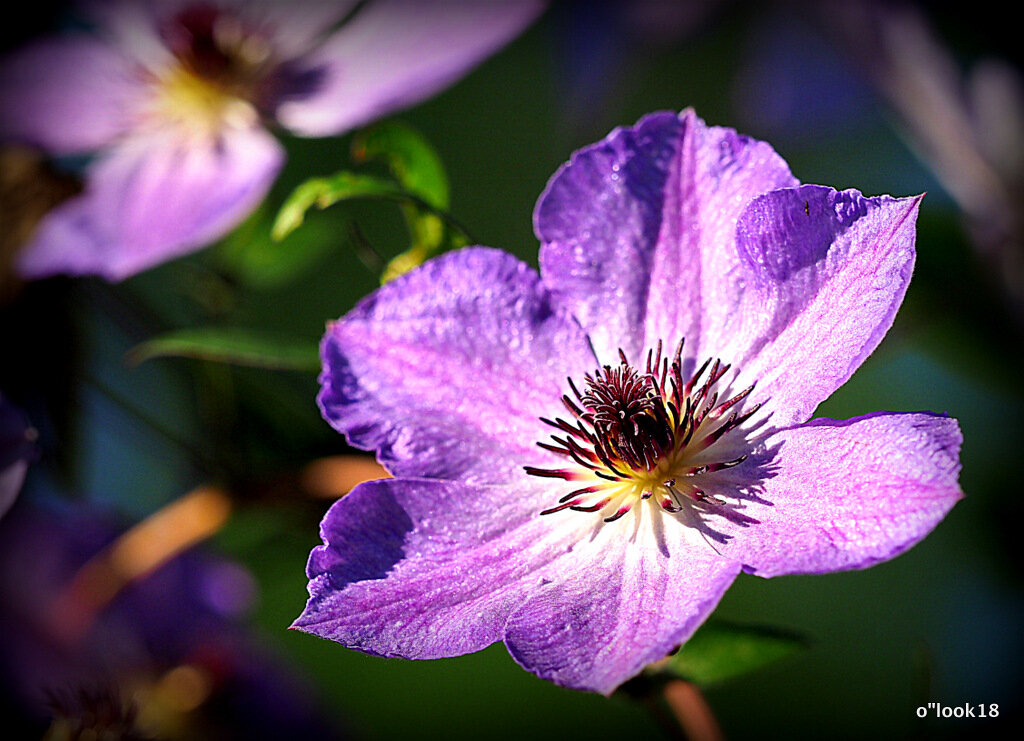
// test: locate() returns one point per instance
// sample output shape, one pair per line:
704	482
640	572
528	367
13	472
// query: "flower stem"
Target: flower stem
692	711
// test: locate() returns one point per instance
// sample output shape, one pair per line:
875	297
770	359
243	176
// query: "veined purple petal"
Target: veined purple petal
848	494
66	95
446	371
598	221
638	231
427	569
155	196
394	53
630	597
823	275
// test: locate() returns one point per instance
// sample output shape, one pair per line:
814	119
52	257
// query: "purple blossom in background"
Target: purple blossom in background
176	97
170	650
573	478
16	450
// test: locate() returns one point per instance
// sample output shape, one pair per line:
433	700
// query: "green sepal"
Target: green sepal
326	191
719	651
409	157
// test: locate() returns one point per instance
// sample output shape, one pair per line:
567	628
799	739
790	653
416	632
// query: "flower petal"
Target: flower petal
16	449
11	479
394	53
446	371
427	569
598	221
66	95
638	230
823	275
154	197
847	494
293	27
626	602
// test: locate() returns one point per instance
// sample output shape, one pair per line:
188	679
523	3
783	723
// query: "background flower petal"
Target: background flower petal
139	29
293	27
445	371
628	600
823	274
394	53
11	479
427	569
66	95
155	197
638	230
16	449
848	494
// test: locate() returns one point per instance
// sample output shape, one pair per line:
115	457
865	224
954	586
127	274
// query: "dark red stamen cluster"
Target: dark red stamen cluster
208	42
628	418
627	423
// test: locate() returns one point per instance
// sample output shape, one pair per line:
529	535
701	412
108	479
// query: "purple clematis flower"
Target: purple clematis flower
176	96
576	480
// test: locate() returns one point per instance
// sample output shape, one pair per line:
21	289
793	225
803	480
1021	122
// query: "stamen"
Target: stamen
578	492
560	507
634	435
621	512
564	473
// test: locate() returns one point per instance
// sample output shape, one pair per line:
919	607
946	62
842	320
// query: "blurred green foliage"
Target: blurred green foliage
721	651
230	345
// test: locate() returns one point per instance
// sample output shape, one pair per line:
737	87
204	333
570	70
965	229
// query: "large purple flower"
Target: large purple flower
176	96
573	478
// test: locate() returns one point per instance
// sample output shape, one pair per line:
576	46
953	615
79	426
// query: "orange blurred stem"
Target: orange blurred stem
691	711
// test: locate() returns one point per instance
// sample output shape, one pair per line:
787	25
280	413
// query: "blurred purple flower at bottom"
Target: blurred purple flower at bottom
176	96
170	649
593	523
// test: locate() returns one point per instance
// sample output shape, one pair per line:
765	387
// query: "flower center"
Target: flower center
645	435
219	70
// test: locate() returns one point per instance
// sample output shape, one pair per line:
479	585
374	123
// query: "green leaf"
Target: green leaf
719	651
409	157
230	345
326	191
420	188
427	227
417	167
252	258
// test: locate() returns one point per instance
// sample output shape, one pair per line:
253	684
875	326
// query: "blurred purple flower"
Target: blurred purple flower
455	372
169	651
968	127
176	96
16	450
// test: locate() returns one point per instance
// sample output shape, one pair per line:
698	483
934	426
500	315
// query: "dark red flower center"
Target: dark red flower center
634	435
